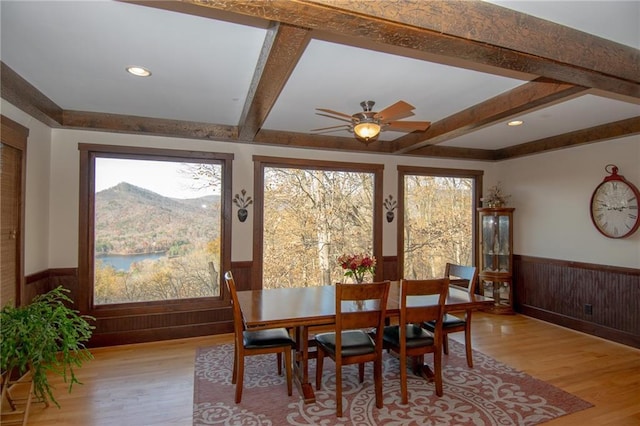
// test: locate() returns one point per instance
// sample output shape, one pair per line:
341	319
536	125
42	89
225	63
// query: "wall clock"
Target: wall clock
614	205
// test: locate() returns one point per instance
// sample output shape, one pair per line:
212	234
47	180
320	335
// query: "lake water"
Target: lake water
123	262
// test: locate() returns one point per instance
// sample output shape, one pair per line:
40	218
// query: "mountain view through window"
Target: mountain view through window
157	230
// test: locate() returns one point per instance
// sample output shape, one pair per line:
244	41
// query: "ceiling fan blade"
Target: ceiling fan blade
331	127
408	126
340	114
398	117
333	130
335	118
395	110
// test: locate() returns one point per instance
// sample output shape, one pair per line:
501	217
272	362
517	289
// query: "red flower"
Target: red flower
357	265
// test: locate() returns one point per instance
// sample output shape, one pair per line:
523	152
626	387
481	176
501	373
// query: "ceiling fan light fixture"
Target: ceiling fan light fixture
367	130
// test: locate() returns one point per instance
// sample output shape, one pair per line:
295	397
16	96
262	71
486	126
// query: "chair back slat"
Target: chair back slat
423	300
462	276
361	305
363	319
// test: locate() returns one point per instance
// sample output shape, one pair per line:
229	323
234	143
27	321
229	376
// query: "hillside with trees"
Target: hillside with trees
134	220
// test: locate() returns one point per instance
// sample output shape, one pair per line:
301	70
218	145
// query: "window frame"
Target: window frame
404	171
261	162
86	248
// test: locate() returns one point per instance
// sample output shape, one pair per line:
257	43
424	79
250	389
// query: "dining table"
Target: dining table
300	309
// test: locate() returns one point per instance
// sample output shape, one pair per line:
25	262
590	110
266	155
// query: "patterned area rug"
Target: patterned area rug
491	393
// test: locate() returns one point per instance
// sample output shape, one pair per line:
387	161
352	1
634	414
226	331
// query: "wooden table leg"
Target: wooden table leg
426	373
301	365
423	370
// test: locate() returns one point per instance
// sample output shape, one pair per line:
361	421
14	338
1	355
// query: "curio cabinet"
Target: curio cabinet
496	257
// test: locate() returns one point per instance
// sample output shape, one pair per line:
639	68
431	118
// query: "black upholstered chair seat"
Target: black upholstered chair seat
354	342
266	338
450	321
416	336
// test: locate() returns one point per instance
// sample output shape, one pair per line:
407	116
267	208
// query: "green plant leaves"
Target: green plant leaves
45	336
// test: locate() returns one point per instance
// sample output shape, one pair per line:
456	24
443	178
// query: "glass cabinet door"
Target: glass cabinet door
496	246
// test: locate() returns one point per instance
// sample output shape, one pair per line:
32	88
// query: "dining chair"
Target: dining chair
408	338
359	309
467	278
247	343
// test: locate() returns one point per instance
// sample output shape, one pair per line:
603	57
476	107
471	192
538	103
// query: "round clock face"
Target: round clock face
614	208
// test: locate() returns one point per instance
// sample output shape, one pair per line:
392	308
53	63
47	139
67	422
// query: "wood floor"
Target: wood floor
152	384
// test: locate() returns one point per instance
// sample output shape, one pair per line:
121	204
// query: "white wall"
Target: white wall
551	193
37	189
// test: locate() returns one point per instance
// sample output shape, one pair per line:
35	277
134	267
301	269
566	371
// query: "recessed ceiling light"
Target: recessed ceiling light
515	123
139	71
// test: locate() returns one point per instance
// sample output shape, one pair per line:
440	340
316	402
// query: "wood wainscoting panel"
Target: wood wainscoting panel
120	324
390	268
596	299
45	281
117	325
36	284
118	330
242	276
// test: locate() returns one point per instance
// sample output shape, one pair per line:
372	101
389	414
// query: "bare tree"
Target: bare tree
438	224
310	218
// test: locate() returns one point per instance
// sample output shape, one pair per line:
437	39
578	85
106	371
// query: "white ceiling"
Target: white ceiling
75	53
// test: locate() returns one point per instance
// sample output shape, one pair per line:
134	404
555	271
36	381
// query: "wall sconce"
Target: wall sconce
390	204
242	201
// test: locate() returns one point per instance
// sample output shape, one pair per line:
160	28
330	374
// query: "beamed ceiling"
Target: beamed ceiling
255	71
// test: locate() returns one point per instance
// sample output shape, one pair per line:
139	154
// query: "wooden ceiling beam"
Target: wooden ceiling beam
475	32
454	152
534	94
504	28
148	126
303	140
26	97
618	129
281	51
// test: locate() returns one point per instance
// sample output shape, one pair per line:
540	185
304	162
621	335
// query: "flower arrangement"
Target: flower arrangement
357	265
495	196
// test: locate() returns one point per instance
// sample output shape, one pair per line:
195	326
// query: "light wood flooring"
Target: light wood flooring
152	383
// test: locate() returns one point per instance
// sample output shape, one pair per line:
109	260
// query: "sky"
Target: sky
161	177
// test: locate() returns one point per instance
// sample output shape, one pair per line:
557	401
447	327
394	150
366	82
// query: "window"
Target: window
155	231
310	215
437	220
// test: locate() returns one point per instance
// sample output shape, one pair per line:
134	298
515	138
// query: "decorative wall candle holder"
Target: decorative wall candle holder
242	201
390	205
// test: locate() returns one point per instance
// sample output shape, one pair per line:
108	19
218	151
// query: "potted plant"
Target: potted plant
41	337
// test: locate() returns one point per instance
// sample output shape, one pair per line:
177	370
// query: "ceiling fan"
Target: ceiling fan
368	124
